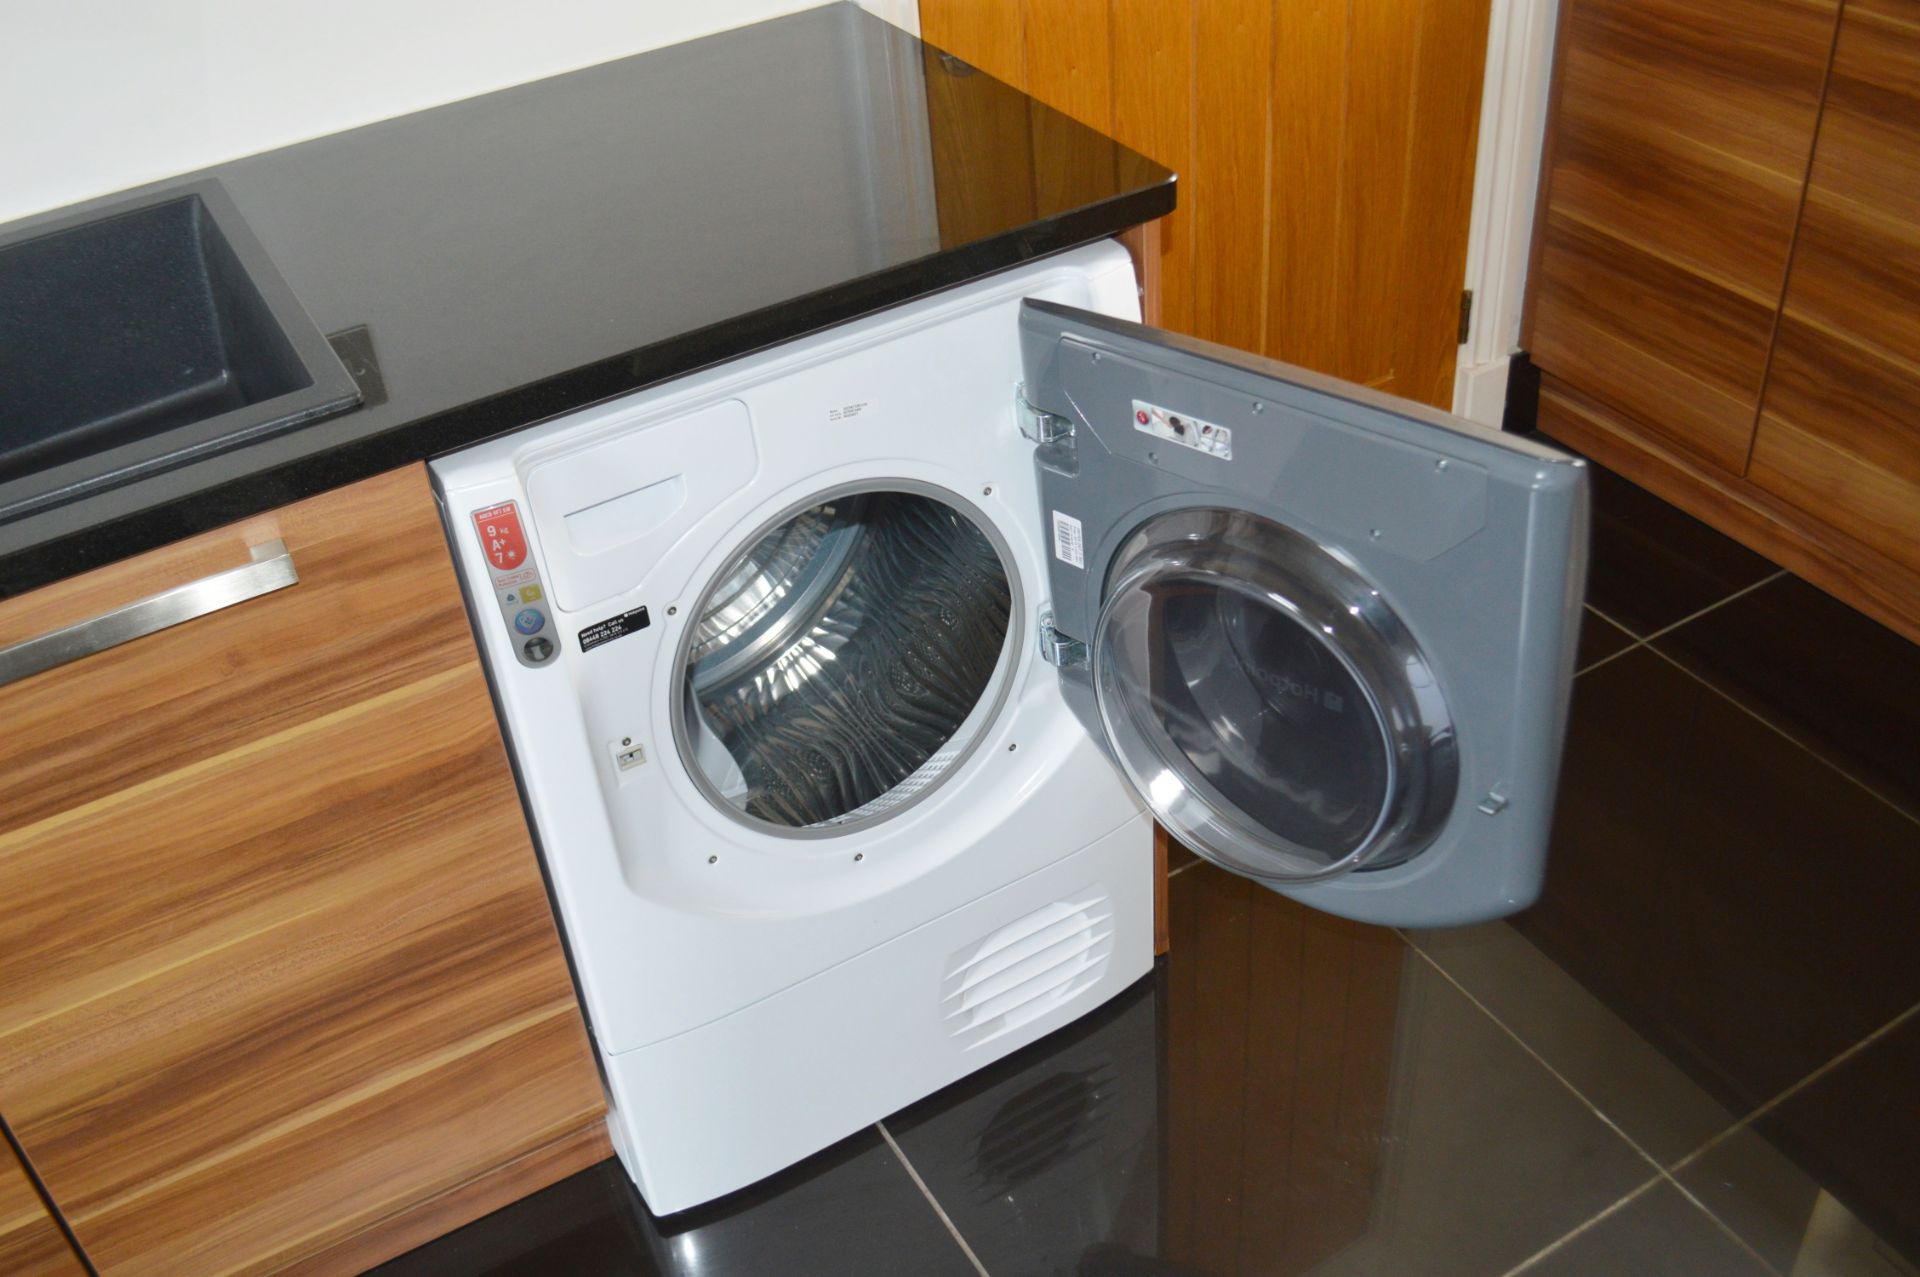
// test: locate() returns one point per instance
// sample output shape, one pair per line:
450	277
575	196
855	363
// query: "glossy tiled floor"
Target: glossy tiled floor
1698	1055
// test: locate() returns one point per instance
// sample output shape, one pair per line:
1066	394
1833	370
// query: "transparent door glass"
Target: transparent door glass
1266	702
843	663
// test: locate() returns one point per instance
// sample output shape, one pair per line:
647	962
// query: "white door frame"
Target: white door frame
1506	174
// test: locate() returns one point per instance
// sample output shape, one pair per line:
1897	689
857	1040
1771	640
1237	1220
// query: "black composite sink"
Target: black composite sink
143	336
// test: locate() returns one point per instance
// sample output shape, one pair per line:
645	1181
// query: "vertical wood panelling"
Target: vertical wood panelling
1381	40
989	35
1233	58
1325	153
1153	113
1307	324
1442	140
1069	50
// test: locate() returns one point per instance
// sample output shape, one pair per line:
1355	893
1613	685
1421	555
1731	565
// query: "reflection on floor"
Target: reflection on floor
1698	1055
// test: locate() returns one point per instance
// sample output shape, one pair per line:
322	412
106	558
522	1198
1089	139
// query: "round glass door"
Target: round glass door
845	661
1266	702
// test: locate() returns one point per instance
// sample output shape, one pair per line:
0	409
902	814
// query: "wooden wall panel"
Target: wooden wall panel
1228	181
1153	114
275	973
1325	150
1680	145
1309	149
1069	47
31	1243
1381	44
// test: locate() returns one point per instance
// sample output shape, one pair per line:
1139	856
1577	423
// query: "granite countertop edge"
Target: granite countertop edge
229	499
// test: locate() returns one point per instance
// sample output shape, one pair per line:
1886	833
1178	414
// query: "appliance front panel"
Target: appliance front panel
682	905
1329	634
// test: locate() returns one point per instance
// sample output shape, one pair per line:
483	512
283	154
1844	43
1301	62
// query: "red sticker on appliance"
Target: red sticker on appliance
500	536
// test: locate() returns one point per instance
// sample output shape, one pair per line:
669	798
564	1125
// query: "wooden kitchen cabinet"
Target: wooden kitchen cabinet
1678	149
1839	433
1726	264
31	1243
279	981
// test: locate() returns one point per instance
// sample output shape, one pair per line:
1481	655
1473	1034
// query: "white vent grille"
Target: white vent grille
1027	968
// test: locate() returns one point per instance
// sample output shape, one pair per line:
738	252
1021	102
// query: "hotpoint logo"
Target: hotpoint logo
1282	684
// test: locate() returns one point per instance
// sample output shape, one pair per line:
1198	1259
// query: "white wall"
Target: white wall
100	95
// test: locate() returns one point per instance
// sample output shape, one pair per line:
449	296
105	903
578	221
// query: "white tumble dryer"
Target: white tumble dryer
845	680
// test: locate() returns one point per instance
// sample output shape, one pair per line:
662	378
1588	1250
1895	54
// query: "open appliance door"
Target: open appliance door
1328	635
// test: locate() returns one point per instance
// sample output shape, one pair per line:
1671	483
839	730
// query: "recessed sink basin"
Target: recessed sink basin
143	336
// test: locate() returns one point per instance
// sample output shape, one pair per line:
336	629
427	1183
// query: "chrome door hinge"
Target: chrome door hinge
1057	648
1466	315
1037	424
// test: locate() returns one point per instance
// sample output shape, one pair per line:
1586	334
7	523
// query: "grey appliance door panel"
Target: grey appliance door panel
1331	632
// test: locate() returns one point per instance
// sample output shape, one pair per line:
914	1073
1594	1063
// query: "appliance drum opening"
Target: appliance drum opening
844	662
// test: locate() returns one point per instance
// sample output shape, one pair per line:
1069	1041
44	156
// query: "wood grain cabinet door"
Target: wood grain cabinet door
1677	154
1839	432
276	963
31	1243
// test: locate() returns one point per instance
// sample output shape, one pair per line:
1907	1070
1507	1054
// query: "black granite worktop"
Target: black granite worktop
538	249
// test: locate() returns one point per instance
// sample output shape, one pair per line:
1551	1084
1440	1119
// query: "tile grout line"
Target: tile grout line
1790	738
1586	1224
1663	631
1774	1103
1524	1045
1746	1123
1611	656
1661	1173
932	1201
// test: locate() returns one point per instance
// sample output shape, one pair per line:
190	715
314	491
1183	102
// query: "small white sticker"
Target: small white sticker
1067	544
847	412
1188	432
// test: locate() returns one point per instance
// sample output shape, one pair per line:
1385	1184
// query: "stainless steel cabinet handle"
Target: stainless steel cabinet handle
271	569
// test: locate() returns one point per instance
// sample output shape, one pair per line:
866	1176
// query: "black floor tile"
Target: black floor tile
1837	682
1290	1093
1746	907
1657	1234
1048	1160
1652	565
1599	1054
850	1209
1853	1133
1599	639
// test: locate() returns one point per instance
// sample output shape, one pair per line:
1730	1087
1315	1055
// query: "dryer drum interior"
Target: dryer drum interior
843	662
